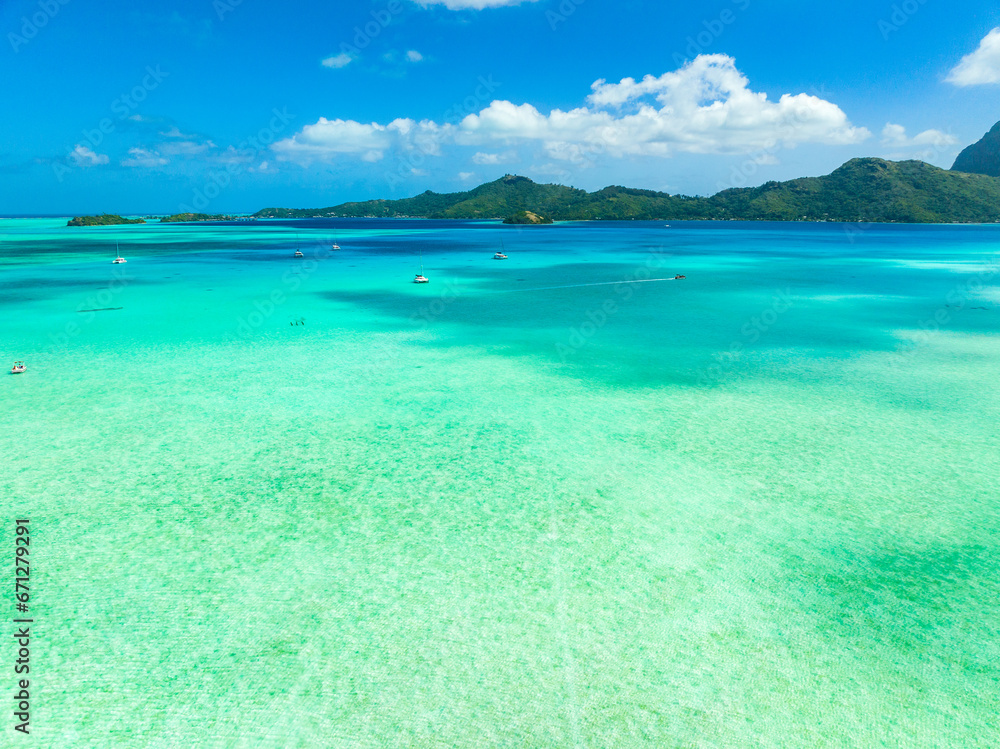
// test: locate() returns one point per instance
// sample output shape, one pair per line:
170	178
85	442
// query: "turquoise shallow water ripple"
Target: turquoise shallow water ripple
285	502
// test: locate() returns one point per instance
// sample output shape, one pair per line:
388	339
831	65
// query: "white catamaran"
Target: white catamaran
421	278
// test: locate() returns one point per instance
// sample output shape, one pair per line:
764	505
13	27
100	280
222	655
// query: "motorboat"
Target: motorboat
18	367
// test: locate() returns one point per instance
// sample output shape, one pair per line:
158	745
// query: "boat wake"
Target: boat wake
585	285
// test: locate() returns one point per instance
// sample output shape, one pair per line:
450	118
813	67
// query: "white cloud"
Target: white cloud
982	66
559	171
394	56
234	161
338	61
473	4
932	146
895	135
765	159
329	138
466	176
84	156
231	156
141	157
186	148
174	132
705	107
494	158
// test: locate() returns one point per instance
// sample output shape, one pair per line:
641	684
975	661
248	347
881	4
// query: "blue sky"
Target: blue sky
229	105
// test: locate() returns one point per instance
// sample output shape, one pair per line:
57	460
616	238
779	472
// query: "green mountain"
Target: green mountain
499	199
866	190
105	219
982	157
872	190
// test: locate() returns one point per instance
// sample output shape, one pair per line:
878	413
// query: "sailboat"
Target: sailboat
501	254
335	246
421	278
118	256
298	252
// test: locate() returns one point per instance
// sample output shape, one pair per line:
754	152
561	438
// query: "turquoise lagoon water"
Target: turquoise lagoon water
550	501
